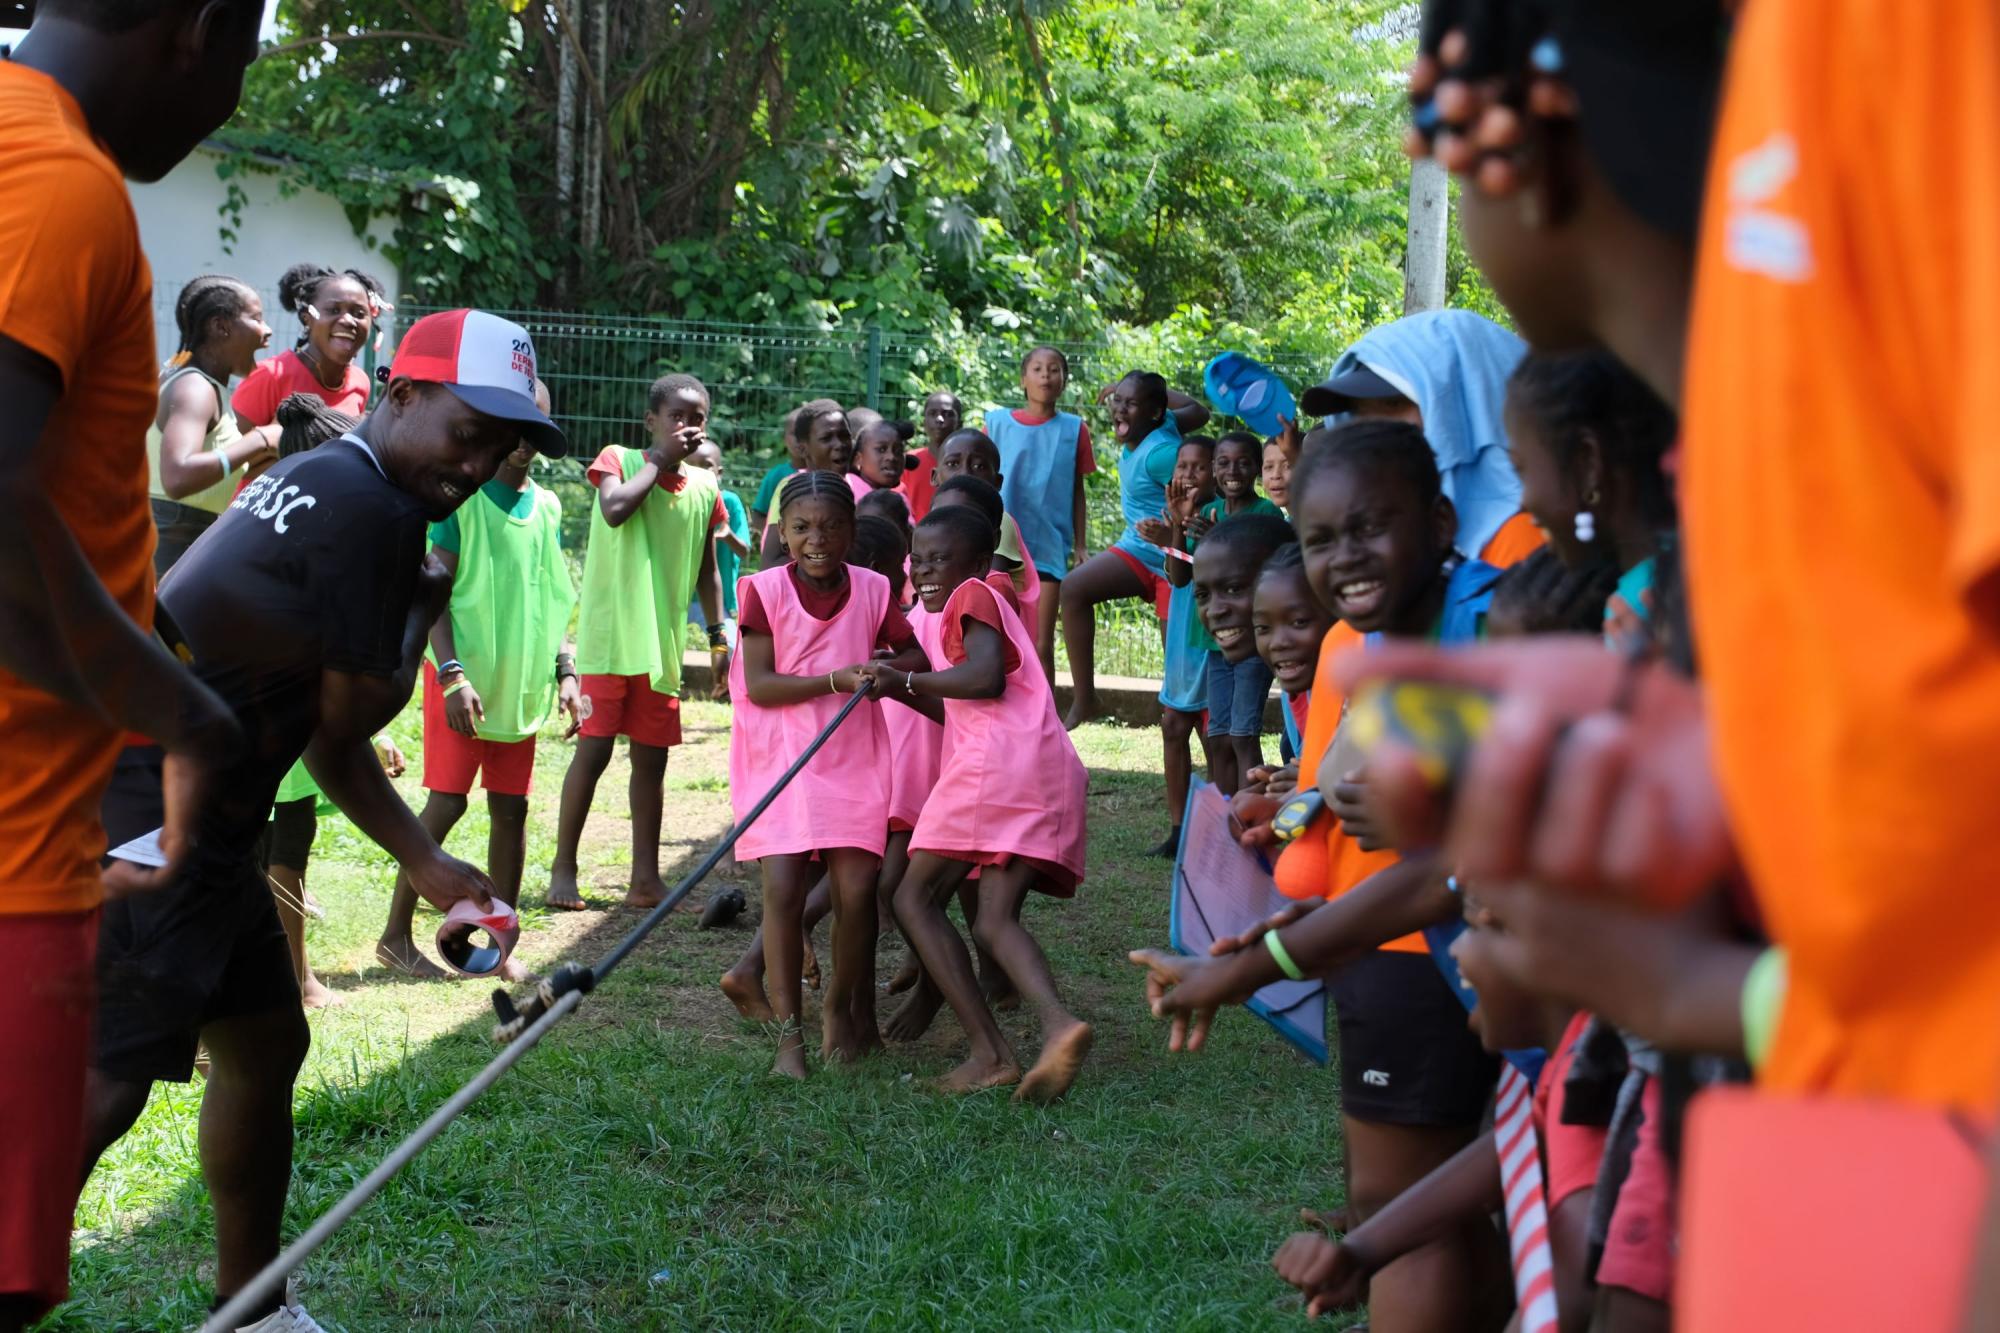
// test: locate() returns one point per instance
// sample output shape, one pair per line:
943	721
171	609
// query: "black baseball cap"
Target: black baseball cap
1338	393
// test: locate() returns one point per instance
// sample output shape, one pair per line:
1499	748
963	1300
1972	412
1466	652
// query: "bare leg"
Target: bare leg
1435	1286
895	860
1065	1037
848	1014
994	983
506	851
785	886
288	889
1222	770
1046	616
246	1138
397	949
647	793
744	983
1249	754
1105	577
593	755
920	903
1175	729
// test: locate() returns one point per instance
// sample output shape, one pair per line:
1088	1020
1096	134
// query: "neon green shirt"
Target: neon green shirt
510	606
639	577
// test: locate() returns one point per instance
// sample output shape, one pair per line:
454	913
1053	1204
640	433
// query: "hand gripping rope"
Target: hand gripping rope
518	1030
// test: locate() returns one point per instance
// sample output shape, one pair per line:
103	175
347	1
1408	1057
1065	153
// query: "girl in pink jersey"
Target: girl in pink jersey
805	625
1009	800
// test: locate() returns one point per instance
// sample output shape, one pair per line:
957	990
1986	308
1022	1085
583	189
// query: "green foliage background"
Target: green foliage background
1163	173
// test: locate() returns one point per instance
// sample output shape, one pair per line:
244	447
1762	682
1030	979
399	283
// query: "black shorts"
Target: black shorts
1406	1054
174	960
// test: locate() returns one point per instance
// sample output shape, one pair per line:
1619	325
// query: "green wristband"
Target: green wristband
1284	959
1762	1000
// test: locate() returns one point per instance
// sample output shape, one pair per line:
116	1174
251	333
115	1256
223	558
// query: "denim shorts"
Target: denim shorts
1236	695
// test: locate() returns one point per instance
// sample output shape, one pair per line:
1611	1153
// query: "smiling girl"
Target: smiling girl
337	312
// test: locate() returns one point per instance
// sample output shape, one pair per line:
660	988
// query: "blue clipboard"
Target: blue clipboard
1221	888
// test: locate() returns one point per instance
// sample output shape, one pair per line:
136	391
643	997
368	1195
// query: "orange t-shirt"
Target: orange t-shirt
1841	466
1324	862
74	288
1517	539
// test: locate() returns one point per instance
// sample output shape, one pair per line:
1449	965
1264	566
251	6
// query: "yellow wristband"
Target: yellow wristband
454	687
1283	959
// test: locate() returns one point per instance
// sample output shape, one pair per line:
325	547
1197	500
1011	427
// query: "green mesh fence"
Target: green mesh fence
599	367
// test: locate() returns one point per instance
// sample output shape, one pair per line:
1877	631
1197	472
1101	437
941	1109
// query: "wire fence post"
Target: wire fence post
875	366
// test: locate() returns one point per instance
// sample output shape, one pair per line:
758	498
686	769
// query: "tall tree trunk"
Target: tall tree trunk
1057	133
594	130
566	100
1430	220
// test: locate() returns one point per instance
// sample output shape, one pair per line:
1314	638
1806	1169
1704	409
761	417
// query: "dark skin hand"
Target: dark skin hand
1391	903
61	632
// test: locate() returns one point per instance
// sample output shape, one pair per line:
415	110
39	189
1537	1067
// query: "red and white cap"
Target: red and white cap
488	362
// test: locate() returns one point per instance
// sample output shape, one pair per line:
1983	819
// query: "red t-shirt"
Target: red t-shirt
983	610
894	633
611	464
918	484
1570	1152
256	399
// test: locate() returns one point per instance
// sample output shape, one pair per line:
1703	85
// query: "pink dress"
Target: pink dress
1010	784
861	486
841	798
916	743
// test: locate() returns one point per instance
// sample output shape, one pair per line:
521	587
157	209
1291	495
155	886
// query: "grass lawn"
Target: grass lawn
641	1170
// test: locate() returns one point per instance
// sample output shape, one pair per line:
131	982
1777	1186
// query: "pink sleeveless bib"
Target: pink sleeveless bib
841	798
916	743
1010	783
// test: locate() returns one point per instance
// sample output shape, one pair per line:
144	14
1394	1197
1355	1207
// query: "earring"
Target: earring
1586	521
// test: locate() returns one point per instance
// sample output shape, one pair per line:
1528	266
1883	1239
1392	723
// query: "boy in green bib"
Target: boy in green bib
652	548
498	665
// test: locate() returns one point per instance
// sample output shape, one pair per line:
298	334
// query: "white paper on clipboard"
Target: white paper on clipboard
1222	888
143	850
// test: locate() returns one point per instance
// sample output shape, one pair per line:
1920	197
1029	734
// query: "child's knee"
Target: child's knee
650	760
990	927
502	809
1176	725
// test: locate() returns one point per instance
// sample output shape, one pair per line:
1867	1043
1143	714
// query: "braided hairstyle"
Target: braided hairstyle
828	486
212	296
1258	534
299	288
306	422
879	545
1541	595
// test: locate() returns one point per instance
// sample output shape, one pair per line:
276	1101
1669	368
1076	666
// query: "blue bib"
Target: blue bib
1140	497
1039	481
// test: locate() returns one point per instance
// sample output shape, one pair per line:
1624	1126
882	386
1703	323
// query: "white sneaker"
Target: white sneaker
289	1319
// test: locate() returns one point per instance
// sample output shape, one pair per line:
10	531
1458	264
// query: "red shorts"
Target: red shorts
1158	589
46	1003
452	760
630	706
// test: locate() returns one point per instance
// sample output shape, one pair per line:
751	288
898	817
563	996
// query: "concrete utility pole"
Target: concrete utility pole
1430	221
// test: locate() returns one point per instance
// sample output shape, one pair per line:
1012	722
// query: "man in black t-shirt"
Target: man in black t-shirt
306	606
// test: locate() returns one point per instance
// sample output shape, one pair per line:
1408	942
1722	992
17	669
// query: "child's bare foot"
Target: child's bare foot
913	1017
645	894
976	1074
808	962
843	1042
1082	708
514	970
1056	1067
562	895
403	956
314	994
746	991
791	1061
909	975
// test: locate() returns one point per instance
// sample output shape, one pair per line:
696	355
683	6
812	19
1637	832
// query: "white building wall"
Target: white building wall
180	225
